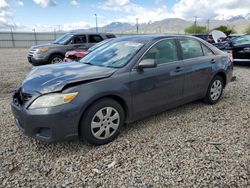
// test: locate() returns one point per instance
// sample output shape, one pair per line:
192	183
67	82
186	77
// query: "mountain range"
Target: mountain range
174	25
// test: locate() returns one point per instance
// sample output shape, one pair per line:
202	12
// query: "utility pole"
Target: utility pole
34	30
96	26
208	22
137	25
12	37
195	24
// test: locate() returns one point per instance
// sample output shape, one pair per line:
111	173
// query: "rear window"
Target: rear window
95	38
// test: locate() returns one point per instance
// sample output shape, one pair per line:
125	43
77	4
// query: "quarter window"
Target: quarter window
191	48
163	52
95	38
207	51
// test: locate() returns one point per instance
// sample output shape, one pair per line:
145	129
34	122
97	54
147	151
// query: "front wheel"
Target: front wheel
102	122
215	90
56	59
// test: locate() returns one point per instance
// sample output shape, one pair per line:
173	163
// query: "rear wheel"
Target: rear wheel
215	90
102	122
56	59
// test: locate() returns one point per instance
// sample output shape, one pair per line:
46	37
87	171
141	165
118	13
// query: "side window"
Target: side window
206	51
163	52
191	48
79	39
95	38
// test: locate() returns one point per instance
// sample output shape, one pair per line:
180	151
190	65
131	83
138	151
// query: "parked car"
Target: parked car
122	81
240	49
54	52
223	45
76	55
201	36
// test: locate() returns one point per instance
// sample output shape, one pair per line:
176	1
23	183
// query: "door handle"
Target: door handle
212	61
178	69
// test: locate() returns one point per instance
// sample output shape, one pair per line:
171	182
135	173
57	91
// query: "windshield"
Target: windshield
99	44
63	39
113	54
241	40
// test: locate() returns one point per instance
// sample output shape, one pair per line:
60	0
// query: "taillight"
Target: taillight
230	55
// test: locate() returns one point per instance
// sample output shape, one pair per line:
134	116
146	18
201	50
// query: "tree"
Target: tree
193	29
248	30
225	29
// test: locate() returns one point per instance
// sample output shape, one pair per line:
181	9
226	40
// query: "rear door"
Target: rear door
198	60
154	88
78	42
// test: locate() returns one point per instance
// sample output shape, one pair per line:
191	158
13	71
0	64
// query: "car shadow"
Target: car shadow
81	148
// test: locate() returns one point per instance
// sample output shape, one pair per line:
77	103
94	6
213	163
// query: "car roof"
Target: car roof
88	33
151	37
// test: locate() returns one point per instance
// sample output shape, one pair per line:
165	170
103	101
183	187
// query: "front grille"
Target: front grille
31	53
20	98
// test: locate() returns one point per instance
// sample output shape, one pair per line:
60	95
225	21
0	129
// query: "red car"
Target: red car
76	55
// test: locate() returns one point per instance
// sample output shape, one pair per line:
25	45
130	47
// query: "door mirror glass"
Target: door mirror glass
147	63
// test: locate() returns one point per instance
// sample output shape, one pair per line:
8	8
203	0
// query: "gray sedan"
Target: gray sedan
125	80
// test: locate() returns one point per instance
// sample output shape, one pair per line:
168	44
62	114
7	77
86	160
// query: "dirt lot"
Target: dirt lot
195	145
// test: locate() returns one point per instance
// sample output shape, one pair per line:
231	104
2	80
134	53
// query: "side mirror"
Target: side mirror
147	63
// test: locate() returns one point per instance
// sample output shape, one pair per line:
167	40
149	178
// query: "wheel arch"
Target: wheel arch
223	75
117	98
56	53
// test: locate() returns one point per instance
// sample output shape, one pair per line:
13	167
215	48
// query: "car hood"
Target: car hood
48	45
53	78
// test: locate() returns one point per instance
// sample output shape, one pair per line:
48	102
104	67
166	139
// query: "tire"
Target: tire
53	59
215	90
97	127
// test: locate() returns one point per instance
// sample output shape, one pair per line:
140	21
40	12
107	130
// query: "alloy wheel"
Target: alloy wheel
56	60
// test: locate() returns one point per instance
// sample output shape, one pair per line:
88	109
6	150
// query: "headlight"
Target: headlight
41	50
54	99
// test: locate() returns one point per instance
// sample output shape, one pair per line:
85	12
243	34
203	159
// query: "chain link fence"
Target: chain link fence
26	39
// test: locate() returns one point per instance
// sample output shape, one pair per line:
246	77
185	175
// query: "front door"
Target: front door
154	88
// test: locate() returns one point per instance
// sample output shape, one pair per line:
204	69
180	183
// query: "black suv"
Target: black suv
54	52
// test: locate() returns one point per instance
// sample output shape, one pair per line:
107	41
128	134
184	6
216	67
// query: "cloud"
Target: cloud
74	2
75	25
134	11
45	3
19	3
6	17
186	9
207	9
3	4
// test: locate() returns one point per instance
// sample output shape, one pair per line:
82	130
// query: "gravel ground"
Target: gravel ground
195	145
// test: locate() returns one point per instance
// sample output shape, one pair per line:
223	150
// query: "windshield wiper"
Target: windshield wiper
88	63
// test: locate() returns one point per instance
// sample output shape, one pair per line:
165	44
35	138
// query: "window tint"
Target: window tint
95	38
79	39
191	48
207	51
163	52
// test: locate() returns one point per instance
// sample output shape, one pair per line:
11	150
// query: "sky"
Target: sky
50	15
